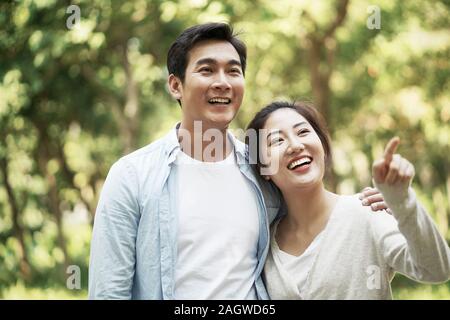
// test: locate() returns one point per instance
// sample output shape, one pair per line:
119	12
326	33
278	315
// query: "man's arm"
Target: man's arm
113	254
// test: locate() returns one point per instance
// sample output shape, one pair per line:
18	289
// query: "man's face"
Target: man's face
213	86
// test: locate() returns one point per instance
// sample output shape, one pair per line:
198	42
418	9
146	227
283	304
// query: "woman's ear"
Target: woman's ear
175	86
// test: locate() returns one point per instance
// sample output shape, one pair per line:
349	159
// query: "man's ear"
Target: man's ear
266	178
175	86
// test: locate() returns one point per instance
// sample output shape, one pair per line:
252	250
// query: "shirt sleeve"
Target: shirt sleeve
113	255
409	240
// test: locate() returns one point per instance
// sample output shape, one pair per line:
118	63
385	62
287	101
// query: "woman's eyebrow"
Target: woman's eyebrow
271	133
299	124
293	127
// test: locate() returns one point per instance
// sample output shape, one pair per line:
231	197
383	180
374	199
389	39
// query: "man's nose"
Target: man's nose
221	81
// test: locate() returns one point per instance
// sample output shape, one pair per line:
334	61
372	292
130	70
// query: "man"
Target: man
185	217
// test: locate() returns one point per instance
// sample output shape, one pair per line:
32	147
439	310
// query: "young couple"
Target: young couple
179	219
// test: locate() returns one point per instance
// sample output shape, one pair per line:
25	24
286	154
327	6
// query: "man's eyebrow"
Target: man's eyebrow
214	61
234	62
206	61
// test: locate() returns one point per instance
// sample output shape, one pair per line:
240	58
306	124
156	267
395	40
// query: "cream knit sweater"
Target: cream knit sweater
361	250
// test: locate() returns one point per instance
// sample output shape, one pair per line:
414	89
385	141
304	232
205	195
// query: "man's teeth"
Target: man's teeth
219	100
299	162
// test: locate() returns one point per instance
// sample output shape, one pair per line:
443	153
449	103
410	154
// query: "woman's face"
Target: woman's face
292	150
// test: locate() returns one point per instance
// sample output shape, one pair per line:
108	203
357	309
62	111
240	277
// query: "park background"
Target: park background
74	100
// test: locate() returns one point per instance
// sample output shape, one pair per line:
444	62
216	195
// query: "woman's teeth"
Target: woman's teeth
299	162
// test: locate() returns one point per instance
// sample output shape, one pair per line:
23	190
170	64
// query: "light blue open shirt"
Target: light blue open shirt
134	242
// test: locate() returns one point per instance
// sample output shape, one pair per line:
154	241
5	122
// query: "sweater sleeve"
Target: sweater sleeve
409	240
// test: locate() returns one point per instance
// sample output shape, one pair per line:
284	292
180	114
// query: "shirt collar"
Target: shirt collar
172	145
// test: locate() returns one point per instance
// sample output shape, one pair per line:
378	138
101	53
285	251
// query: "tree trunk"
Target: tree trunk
18	232
69	176
321	52
53	196
320	81
127	116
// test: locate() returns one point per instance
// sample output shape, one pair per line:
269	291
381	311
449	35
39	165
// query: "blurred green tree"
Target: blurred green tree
72	101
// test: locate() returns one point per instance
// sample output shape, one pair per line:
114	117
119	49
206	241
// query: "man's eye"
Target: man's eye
205	69
235	70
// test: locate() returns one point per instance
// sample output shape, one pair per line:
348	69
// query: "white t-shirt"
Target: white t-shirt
218	229
298	267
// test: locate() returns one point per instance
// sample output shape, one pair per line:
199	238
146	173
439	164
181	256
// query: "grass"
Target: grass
20	292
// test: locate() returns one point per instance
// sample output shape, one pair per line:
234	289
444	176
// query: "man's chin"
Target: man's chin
219	122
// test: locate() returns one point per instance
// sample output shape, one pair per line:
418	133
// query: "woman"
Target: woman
329	246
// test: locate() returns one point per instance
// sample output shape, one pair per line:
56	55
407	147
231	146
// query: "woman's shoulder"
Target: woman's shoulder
351	208
351	204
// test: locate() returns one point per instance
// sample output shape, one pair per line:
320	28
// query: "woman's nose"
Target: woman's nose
295	145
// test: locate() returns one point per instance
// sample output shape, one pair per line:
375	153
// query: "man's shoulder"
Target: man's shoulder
145	157
239	146
155	147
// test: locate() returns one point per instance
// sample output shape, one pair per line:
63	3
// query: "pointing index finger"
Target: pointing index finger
391	147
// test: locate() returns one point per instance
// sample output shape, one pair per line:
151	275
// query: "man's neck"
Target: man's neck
204	143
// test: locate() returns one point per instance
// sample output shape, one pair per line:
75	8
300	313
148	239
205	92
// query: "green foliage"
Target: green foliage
73	101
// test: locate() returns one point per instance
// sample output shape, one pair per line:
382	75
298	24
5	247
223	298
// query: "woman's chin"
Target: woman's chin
288	184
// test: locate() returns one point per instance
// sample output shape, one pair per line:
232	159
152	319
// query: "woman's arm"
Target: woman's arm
417	249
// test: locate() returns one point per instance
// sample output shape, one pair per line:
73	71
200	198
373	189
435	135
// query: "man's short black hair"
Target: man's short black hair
177	57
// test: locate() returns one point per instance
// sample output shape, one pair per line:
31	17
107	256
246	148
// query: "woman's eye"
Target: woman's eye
303	131
275	141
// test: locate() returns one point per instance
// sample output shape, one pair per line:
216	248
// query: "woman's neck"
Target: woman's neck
309	208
